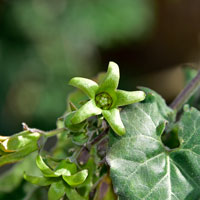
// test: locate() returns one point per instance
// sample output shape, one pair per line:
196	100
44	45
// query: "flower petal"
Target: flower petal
126	97
111	79
87	110
86	85
113	118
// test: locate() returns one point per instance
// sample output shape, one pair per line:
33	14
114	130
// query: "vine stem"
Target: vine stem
98	138
45	133
54	132
186	93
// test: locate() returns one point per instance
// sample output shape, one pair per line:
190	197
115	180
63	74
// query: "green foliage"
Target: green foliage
142	167
16	174
56	191
157	158
105	190
64	173
18	146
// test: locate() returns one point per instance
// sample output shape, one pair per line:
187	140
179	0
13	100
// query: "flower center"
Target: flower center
103	100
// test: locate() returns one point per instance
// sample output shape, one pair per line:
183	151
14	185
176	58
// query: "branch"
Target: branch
99	137
186	93
47	134
83	154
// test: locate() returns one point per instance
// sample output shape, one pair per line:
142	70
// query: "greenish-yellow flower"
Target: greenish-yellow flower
105	98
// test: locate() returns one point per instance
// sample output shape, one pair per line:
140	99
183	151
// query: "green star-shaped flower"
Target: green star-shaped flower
105	98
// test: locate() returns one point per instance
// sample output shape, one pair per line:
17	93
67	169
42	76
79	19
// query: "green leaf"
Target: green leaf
142	168
104	190
18	146
2	138
111	79
45	169
62	171
19	141
152	96
16	173
87	110
88	86
77	178
38	180
2	153
72	194
126	97
187	157
66	168
113	118
91	166
18	155
56	191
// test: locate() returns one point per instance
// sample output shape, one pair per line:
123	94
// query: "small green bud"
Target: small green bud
80	138
73	127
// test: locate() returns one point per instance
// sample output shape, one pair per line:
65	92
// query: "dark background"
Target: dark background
44	43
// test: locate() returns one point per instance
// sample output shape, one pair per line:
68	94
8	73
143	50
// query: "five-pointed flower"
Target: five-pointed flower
105	98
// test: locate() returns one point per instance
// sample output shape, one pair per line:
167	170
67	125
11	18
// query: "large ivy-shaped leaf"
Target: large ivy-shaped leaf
142	168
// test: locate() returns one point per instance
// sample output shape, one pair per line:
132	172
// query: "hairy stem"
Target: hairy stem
186	93
45	133
54	132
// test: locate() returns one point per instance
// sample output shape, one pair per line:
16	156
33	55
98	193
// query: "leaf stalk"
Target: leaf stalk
186	93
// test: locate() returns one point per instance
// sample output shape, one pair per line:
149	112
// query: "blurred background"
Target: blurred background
44	43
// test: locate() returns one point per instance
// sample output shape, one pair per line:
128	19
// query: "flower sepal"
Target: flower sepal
74	127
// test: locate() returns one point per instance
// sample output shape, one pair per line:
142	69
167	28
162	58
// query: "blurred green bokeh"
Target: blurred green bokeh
43	43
